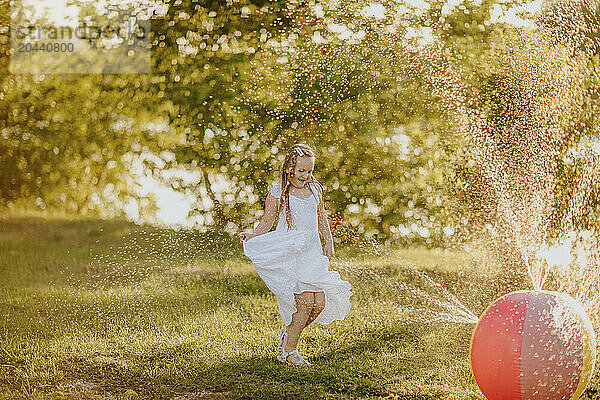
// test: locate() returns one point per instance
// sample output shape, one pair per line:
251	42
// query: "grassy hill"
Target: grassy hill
96	309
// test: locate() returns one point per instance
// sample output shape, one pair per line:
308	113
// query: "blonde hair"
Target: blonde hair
296	151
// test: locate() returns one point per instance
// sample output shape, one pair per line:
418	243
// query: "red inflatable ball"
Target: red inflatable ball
531	345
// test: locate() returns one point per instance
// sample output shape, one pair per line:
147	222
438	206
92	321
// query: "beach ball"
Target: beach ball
531	345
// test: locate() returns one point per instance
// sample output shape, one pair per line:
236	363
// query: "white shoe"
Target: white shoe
282	355
297	361
282	334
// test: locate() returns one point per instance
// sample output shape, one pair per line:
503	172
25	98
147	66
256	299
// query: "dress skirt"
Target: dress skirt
292	261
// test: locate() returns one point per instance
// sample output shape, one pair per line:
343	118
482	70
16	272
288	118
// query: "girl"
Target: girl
290	259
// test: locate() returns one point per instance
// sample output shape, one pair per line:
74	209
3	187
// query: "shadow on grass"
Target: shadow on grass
337	373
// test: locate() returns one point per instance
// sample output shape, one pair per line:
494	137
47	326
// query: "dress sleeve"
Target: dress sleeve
276	190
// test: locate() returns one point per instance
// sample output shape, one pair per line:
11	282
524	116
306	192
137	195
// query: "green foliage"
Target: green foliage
234	84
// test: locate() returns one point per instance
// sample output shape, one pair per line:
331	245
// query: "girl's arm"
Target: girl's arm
323	223
268	218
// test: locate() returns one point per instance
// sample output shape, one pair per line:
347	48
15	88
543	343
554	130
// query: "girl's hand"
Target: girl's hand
245	236
328	250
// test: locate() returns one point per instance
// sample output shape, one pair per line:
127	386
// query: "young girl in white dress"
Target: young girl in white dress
291	260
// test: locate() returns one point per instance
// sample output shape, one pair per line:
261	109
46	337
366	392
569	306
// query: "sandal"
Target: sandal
282	355
282	334
298	361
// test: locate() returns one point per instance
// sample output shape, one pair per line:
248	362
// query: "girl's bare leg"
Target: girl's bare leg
304	304
317	308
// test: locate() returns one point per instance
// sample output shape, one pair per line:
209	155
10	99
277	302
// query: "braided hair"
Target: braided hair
296	151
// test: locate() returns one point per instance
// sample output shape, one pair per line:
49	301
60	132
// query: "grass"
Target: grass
96	309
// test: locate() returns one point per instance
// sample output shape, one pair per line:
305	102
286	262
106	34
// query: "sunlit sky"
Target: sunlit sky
174	206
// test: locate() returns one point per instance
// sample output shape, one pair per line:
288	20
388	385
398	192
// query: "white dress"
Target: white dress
292	261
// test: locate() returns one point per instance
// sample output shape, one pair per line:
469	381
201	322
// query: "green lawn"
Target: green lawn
96	309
